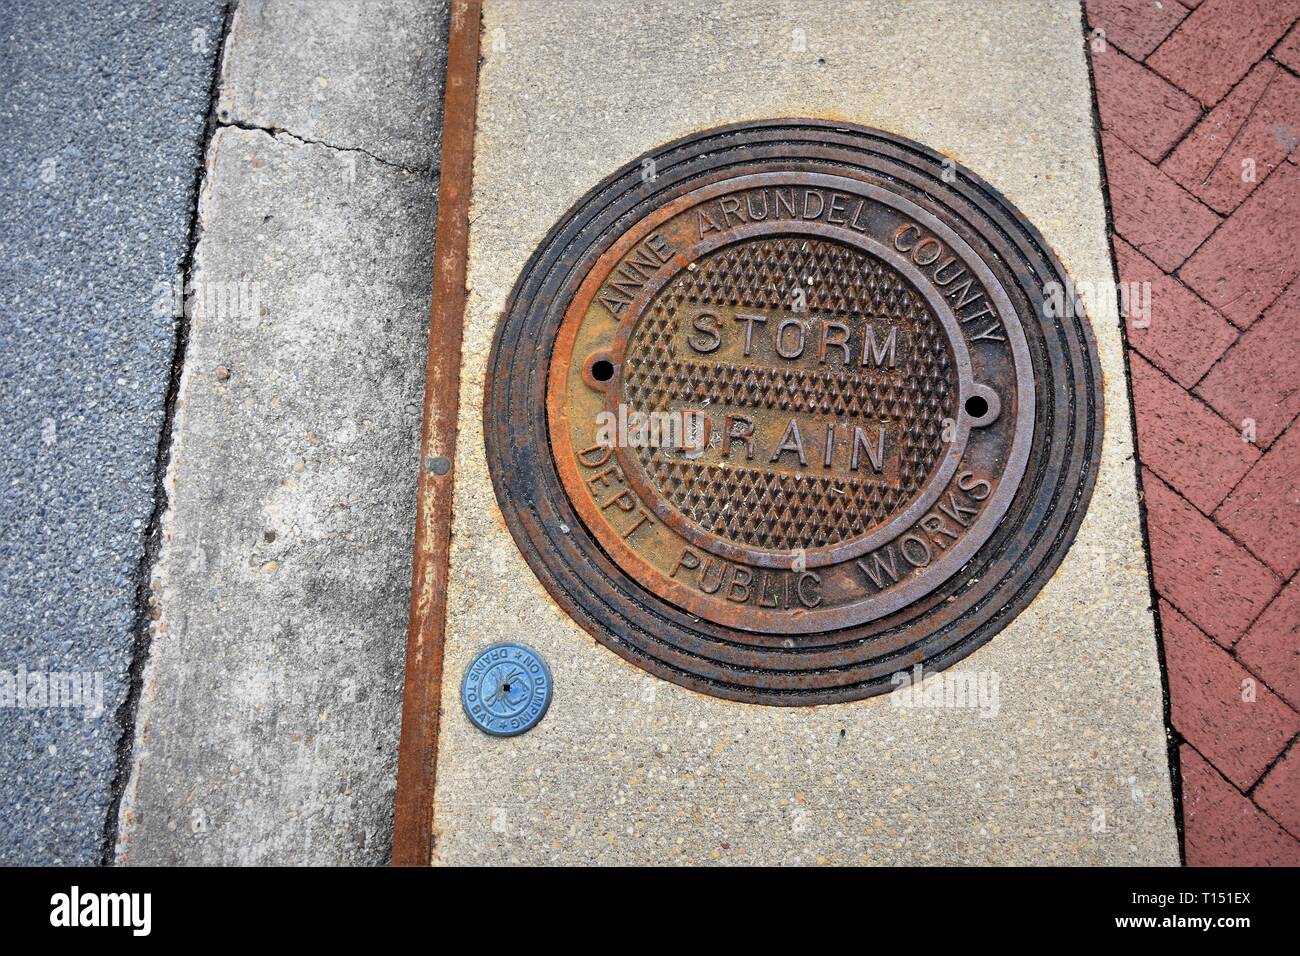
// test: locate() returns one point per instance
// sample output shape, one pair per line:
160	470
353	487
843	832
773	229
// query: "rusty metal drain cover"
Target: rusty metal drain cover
781	409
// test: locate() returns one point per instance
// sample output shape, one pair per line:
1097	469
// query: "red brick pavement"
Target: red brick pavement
1200	112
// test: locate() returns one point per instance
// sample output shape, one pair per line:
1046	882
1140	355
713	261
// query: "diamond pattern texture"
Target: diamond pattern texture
774	508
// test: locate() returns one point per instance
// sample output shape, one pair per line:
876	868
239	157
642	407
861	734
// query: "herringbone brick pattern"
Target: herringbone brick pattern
1200	113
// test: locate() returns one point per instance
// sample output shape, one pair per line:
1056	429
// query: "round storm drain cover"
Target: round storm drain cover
782	409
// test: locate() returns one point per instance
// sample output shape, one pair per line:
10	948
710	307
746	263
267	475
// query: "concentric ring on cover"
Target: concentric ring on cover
885	446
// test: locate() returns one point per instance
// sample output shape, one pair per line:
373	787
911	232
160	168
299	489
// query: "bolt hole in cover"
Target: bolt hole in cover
782	409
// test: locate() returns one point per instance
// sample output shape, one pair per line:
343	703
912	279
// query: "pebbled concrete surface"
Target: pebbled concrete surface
102	108
269	717
626	768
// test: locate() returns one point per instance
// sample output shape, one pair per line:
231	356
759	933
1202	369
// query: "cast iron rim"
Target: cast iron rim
937	630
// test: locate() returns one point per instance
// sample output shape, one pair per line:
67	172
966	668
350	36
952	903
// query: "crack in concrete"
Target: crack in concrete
128	710
424	171
148	603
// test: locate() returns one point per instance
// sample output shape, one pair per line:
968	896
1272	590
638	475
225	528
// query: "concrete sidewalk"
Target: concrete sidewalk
627	768
268	722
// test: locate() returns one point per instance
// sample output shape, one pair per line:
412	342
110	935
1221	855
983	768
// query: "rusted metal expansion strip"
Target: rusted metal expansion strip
417	757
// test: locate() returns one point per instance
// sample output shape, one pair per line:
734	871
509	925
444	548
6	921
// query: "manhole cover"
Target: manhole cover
783	409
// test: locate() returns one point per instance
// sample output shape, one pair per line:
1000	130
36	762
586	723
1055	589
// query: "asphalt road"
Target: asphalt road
102	113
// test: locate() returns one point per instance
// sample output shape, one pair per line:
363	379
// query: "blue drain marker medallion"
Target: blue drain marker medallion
506	689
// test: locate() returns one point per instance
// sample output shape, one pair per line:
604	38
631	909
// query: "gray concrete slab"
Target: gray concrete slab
1072	767
307	66
102	107
268	723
